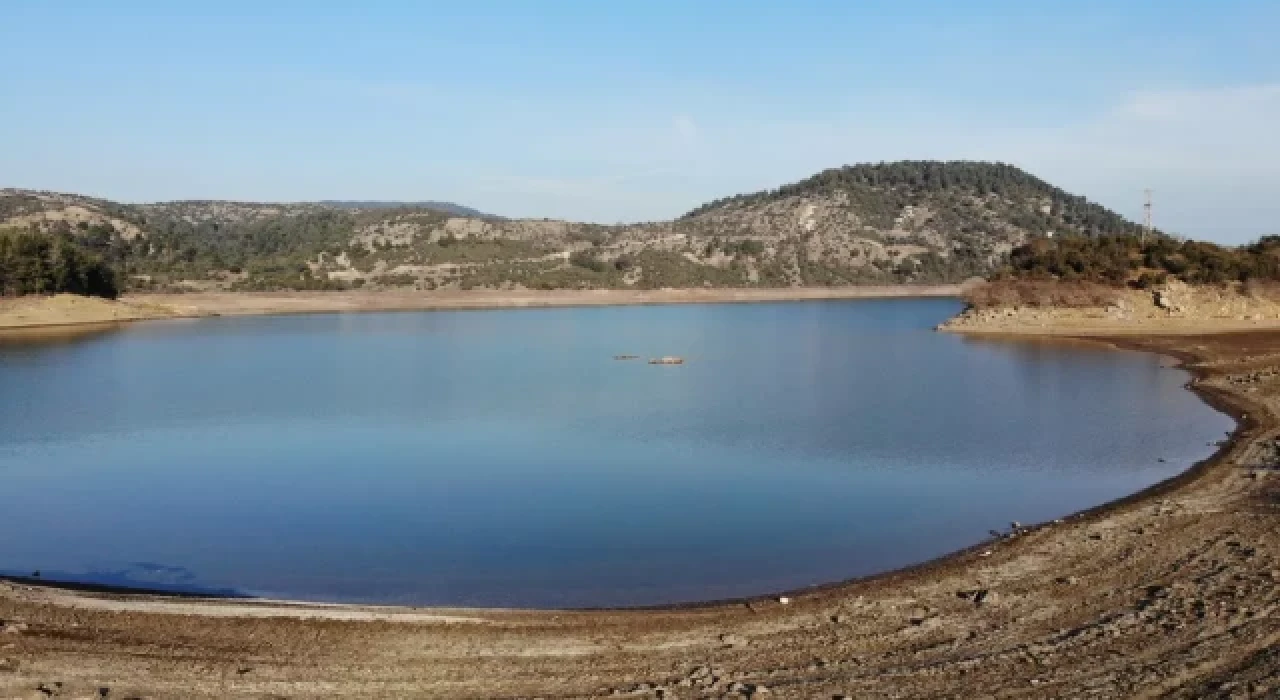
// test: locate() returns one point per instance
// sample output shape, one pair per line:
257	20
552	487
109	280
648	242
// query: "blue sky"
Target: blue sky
627	111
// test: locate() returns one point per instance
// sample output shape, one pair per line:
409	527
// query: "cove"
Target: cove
505	458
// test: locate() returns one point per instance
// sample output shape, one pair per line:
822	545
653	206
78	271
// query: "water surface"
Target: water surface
504	458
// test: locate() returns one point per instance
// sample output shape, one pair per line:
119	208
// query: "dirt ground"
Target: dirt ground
1172	593
70	310
67	309
1172	308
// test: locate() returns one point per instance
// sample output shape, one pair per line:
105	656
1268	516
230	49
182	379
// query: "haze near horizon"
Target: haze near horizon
642	111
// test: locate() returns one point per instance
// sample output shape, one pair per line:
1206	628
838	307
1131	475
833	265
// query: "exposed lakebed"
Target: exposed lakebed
505	458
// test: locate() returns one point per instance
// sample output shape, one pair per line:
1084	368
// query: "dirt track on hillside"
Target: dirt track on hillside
1173	593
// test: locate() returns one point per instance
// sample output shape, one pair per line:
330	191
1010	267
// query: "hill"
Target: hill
907	222
446	207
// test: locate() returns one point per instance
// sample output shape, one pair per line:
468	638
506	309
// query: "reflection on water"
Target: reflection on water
505	457
51	335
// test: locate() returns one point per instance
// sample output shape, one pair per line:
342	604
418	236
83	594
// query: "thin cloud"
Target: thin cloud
686	129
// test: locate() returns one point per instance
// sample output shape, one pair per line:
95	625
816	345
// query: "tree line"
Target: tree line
1130	260
33	263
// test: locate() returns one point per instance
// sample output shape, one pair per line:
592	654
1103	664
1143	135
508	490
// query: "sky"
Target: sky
621	111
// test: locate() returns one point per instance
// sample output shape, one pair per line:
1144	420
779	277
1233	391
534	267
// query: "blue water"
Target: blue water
504	458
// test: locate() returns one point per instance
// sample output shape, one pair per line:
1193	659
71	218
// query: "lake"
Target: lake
505	458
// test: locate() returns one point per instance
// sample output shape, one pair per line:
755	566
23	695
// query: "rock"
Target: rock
733	640
1164	299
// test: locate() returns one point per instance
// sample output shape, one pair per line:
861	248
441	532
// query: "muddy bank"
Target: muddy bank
66	310
69	310
1171	593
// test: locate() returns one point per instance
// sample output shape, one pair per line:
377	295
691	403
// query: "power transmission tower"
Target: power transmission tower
1146	217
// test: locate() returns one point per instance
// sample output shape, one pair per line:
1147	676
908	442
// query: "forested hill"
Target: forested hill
983	190
909	222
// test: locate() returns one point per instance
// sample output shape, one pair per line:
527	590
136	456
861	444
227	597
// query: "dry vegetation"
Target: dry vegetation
1015	293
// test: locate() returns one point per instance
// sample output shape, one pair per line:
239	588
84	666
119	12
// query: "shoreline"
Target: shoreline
1221	401
64	312
1214	481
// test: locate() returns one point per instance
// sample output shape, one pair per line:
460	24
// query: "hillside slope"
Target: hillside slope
909	222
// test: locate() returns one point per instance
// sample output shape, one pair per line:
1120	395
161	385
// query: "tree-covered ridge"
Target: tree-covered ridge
911	222
442	207
892	186
32	263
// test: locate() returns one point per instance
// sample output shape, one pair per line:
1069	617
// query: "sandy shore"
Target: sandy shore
1174	592
69	310
1183	310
